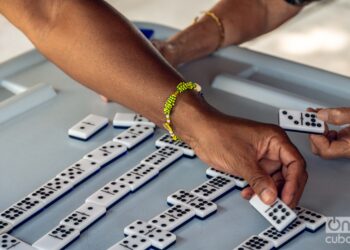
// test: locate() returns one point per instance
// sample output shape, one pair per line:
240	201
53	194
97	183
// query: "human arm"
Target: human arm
98	47
242	21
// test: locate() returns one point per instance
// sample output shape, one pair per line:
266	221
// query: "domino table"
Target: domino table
39	103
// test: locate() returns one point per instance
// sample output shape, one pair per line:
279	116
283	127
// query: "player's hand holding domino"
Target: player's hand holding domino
333	144
260	153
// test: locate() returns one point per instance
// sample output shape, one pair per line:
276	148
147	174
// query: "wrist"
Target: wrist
190	113
193	42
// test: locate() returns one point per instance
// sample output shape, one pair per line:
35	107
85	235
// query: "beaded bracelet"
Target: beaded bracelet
218	22
170	103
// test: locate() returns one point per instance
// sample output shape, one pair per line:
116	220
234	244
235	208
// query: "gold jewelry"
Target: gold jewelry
218	22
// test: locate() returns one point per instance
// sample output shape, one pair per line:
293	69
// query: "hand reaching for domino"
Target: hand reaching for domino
260	153
332	144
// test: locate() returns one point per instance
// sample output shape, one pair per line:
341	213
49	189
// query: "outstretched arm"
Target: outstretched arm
94	44
242	21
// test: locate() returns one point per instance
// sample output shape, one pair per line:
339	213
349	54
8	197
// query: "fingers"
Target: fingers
270	166
260	182
336	116
329	149
104	99
277	177
294	173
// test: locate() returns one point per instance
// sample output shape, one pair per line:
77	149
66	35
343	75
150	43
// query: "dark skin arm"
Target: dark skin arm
242	21
98	47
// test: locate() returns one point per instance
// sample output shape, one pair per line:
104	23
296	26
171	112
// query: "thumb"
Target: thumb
336	116
262	184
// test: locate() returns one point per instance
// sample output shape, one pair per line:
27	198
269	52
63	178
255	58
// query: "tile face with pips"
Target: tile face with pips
88	127
159	238
166	140
163	157
57	238
278	214
8	242
173	218
109	194
134	135
84	216
214	188
280	238
132	242
202	207
306	122
106	153
255	243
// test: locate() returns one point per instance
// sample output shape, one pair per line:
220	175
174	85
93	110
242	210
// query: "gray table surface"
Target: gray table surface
35	147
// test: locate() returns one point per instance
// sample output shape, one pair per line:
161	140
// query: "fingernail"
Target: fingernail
268	196
323	115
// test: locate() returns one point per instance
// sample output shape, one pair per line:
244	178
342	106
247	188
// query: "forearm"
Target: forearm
242	21
96	46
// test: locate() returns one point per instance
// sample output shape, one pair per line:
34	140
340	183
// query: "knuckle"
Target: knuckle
336	116
255	180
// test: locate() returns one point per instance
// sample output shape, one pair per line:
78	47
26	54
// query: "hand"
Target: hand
332	144
260	153
167	50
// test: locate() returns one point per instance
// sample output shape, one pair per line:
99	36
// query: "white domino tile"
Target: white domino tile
278	214
21	210
163	157
214	188
134	135
240	182
255	243
166	140
84	216
312	220
8	242
130	119
173	217
109	194
132	242
5	226
79	171
52	190
280	238
57	238
203	208
106	153
138	176
301	121
159	238
87	127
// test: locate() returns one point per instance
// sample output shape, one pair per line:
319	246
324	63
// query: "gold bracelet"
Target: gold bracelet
218	23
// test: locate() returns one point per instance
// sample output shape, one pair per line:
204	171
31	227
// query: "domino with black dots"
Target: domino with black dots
255	243
166	140
88	127
202	207
299	121
278	214
8	242
214	188
240	182
281	238
312	220
173	218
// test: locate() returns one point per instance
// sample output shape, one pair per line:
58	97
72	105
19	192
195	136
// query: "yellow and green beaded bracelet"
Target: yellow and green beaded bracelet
170	103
